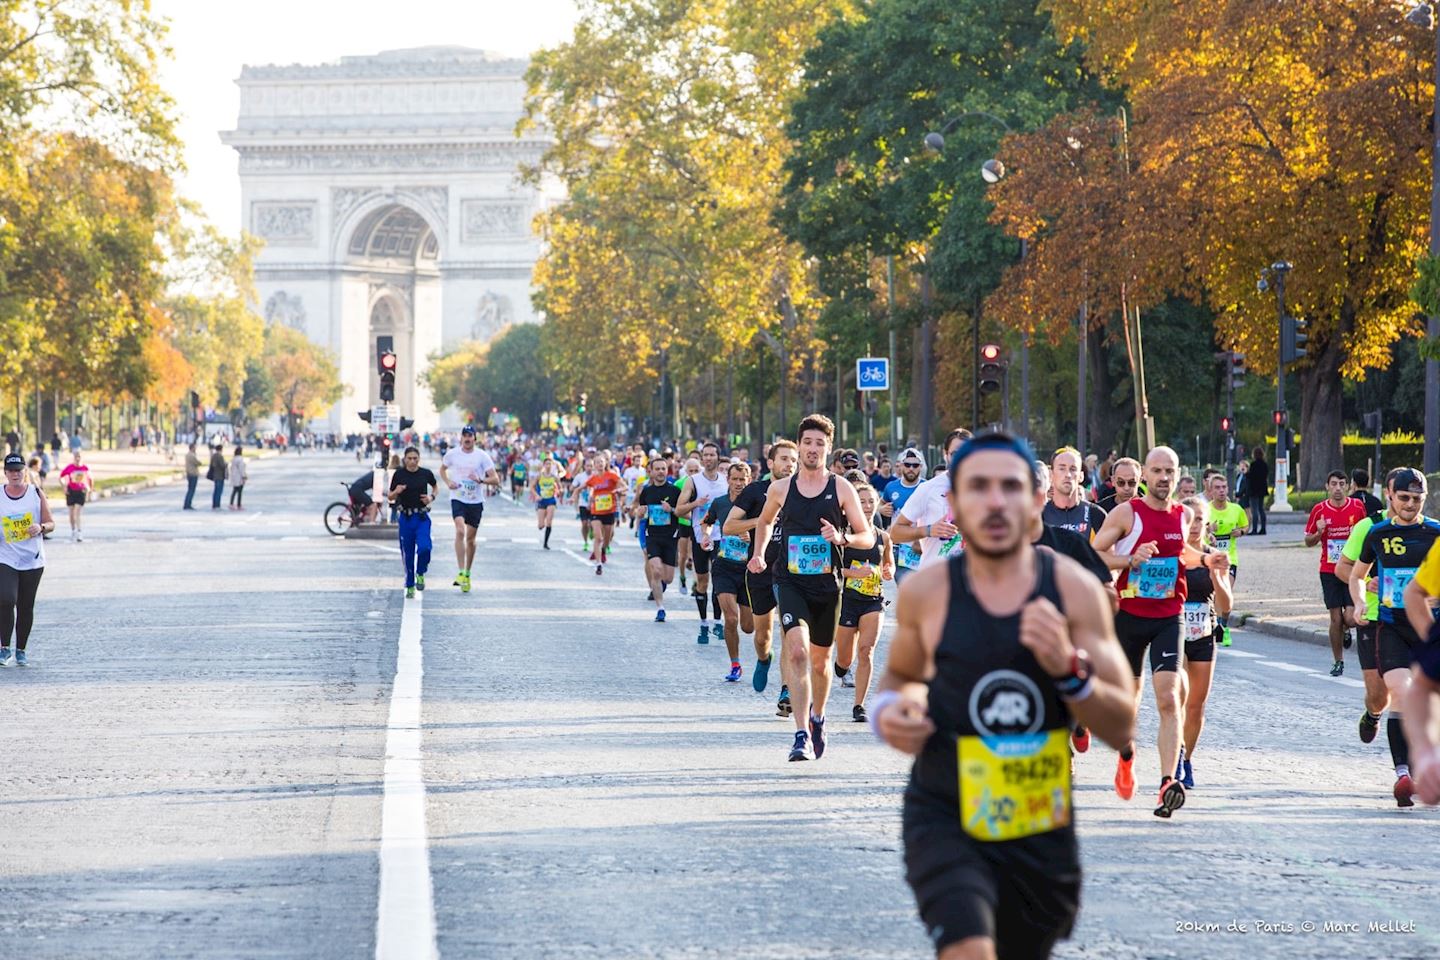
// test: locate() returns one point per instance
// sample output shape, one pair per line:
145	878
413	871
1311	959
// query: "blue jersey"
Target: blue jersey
897	493
1396	550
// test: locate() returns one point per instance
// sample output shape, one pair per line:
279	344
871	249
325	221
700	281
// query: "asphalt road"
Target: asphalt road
194	766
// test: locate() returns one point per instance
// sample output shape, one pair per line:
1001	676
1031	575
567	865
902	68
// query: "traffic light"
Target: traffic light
1293	338
386	361
991	368
1227	424
1281	418
1237	370
580	407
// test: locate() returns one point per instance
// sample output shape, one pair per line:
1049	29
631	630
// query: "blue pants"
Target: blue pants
219	490
190	483
414	541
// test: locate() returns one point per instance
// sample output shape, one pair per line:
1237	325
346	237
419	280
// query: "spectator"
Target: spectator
1257	485
216	475
192	476
239	473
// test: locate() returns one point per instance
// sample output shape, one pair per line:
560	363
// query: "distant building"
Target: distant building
386	190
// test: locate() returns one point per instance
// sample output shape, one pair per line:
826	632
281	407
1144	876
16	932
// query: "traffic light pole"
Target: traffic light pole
1230	419
1282	428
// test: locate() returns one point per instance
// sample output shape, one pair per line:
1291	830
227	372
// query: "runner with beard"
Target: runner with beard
822	516
1067	507
1146	537
1367	646
759	593
924	525
995	655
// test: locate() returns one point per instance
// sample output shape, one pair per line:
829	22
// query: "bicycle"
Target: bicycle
340	517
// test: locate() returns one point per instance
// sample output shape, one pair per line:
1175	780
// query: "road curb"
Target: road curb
1279	628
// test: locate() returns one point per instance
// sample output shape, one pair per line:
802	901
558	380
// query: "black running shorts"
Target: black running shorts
1398	646
664	548
727	577
759	594
472	513
818	614
1367	645
852	608
1335	591
963	891
701	558
1160	634
1203	650
608	519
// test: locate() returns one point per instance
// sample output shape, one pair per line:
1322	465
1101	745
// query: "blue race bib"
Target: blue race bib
809	555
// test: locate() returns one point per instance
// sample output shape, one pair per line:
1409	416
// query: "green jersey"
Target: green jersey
1225	521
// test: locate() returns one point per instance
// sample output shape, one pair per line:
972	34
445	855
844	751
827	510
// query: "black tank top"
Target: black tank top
994	705
806	559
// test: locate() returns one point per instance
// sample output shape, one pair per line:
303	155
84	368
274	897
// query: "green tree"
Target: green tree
305	378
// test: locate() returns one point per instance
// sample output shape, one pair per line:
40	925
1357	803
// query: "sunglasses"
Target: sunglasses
1127	483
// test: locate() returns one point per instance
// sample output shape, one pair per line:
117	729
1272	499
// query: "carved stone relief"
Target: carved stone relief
482	220
283	224
285	309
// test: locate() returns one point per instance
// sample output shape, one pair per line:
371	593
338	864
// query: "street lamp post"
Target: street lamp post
1423	15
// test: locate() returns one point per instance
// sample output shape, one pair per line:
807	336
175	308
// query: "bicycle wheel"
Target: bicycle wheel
338	518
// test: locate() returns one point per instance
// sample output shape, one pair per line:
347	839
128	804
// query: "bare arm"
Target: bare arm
905	723
1420	718
445	476
862	534
1358	572
903	530
736	524
687	501
774	500
1224	593
1112	531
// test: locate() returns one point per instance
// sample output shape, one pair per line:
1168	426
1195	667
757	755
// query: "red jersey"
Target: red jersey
1156	588
602	492
1338	523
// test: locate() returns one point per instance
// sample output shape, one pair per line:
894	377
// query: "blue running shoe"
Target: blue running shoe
782	705
4	656
817	735
801	749
704	636
719	631
1180	764
20	660
1189	779
735	673
761	675
659	616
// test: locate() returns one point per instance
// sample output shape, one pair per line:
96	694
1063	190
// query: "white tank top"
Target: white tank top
17	550
707	492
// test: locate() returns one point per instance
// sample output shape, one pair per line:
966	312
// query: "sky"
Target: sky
212	41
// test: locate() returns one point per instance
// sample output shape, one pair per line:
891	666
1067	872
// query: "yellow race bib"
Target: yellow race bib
17	527
870	586
1014	785
603	503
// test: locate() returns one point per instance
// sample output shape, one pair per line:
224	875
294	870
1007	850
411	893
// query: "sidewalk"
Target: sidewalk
115	472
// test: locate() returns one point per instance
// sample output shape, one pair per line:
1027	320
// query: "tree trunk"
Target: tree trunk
1320	418
1106	418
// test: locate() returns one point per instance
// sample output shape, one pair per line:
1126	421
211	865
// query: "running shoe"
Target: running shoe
735	673
684	590
1404	786
456	581
1180	764
659	616
4	656
848	681
1225	638
1369	726
1172	798
761	675
79	536
704	636
1338	668
782	705
420	581
817	735
409	593
801	749
1080	739
599	569
1124	778
465	583
1348	641
21	660
858	714
1189	778
719	630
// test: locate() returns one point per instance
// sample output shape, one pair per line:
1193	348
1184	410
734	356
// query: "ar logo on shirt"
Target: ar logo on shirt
1006	702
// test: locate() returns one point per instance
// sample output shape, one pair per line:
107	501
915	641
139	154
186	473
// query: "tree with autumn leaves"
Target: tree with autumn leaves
1257	133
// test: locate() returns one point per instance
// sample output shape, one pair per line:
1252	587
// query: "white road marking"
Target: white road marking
293	539
1246	654
1343	681
405	924
577	556
378	546
1293	668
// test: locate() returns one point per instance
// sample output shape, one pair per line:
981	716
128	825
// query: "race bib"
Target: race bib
547	487
469	489
1154	579
657	515
17	527
1333	550
907	556
1223	543
585	497
1015	785
869	586
604	503
734	549
1196	621
808	555
1392	584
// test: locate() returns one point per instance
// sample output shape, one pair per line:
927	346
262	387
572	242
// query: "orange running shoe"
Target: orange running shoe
1080	739
1124	778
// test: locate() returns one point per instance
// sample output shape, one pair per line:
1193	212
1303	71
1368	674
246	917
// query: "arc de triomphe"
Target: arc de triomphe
386	190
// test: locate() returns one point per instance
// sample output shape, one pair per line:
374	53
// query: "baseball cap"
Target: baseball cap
13	461
468	428
1406	480
911	455
849	459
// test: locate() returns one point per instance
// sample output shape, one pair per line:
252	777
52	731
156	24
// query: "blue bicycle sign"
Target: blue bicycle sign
872	373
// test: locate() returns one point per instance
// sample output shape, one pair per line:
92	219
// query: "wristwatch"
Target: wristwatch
1069	684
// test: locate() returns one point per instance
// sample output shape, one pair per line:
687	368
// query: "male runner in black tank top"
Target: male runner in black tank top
983	692
818	508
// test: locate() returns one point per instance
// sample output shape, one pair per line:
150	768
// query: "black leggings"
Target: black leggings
17	603
237	495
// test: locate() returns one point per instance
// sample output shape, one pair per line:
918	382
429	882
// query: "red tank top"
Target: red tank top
1156	588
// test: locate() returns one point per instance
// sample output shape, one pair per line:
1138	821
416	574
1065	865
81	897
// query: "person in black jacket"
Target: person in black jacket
1257	486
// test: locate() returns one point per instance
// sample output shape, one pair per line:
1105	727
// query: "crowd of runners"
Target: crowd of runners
1028	598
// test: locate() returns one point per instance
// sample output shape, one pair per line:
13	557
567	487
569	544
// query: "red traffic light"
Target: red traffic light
1227	424
990	352
1280	418
387	360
